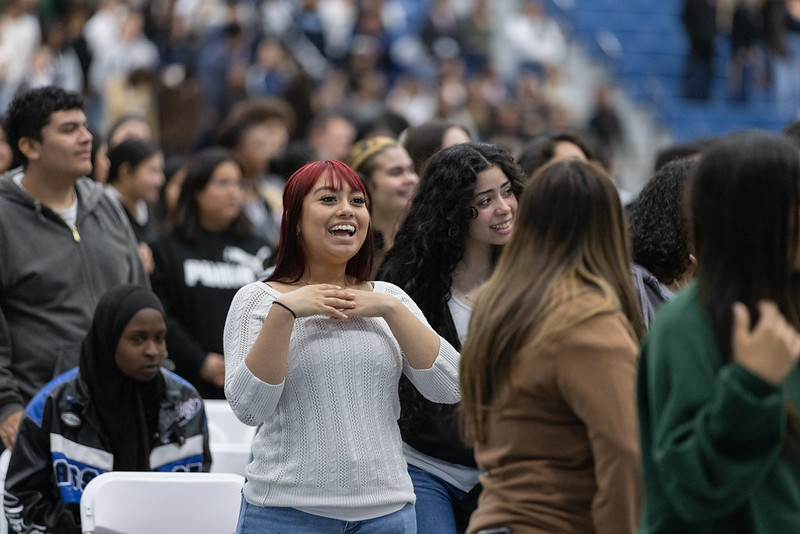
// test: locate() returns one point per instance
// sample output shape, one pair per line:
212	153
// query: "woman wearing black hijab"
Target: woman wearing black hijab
119	411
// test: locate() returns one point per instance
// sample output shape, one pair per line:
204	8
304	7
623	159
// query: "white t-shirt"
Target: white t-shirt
70	214
461	314
462	477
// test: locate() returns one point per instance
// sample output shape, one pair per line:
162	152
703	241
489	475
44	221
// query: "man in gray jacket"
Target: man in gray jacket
63	243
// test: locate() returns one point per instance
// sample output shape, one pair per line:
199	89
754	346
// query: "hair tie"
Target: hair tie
285	307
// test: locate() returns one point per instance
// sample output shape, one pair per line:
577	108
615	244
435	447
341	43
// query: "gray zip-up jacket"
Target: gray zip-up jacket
51	277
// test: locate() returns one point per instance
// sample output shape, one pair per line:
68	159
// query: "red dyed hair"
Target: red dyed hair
291	262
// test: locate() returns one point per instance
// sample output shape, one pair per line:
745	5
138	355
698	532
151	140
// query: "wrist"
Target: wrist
8	410
752	381
392	307
286	309
770	376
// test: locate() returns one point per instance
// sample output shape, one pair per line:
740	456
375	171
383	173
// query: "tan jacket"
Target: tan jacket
562	455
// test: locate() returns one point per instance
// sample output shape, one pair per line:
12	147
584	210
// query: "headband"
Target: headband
363	150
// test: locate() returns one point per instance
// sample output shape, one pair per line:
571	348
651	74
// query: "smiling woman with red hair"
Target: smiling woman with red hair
313	357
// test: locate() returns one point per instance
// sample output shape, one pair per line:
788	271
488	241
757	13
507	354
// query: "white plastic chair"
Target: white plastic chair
228	438
125	502
5	457
223	426
229	457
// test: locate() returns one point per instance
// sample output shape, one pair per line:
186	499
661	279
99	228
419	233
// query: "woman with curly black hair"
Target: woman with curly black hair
443	252
663	262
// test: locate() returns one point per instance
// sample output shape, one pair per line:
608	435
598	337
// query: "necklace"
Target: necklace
467	296
466	281
464	293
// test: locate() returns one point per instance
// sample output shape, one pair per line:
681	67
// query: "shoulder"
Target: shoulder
257	295
55	389
644	280
7	181
182	395
251	243
389	288
591	341
608	330
583	303
167	245
174	382
595	322
681	337
177	386
251	251
10	193
92	197
682	313
88	188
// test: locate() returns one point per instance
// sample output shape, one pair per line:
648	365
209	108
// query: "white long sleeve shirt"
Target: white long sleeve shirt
328	441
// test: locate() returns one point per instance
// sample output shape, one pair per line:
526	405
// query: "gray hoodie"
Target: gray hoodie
650	293
50	281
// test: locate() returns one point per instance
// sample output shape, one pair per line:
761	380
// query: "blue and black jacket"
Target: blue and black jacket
61	447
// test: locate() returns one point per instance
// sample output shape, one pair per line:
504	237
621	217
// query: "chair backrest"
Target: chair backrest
124	502
229	457
223	425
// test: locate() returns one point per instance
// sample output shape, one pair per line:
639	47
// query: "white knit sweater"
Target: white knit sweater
328	441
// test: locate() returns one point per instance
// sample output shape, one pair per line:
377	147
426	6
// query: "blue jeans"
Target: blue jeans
258	519
436	500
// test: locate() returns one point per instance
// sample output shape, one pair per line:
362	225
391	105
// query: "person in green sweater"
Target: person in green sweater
718	383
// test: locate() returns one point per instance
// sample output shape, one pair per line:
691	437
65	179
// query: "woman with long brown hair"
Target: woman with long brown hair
719	384
548	371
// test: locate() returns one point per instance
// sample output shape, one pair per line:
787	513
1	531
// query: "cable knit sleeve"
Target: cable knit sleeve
439	383
252	399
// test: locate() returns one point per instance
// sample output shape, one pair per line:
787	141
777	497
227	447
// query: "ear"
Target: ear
30	148
690	267
124	170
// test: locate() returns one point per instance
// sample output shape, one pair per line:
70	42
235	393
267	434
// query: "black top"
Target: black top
196	283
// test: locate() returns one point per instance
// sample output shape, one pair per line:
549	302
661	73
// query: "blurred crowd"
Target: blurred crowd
764	56
495	68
